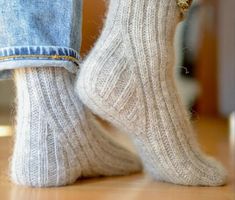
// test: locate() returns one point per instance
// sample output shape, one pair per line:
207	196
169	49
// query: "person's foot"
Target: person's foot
57	139
127	79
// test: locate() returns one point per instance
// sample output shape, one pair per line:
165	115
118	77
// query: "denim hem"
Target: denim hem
39	52
7	66
37	56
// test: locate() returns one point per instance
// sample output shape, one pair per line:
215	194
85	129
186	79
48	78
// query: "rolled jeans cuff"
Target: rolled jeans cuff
37	56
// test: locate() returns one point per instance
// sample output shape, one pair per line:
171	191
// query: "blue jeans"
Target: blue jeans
39	33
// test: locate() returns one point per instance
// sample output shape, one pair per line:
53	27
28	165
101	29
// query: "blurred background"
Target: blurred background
205	59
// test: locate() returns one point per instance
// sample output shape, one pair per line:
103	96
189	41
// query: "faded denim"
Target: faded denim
39	33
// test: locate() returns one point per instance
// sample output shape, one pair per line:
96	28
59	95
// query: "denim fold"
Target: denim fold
39	33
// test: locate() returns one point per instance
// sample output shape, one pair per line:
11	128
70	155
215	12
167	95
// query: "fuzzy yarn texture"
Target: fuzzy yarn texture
128	80
57	138
184	5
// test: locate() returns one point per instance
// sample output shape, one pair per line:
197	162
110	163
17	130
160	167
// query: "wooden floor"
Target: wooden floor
214	137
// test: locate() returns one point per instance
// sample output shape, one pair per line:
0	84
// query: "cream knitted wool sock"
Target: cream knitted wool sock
57	139
128	80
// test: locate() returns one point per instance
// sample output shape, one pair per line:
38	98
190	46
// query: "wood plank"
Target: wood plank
214	137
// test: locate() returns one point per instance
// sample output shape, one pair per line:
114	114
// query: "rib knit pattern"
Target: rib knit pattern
57	138
128	80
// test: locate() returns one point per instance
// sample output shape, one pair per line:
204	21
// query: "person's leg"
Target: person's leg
57	139
128	80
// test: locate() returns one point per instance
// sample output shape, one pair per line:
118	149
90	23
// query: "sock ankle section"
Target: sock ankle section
57	140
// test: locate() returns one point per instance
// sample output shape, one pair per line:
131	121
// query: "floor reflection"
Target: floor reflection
5	131
232	142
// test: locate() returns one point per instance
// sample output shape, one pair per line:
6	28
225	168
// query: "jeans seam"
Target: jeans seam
54	57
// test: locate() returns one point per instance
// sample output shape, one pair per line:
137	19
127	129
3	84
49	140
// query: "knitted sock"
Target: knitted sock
128	80
57	139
